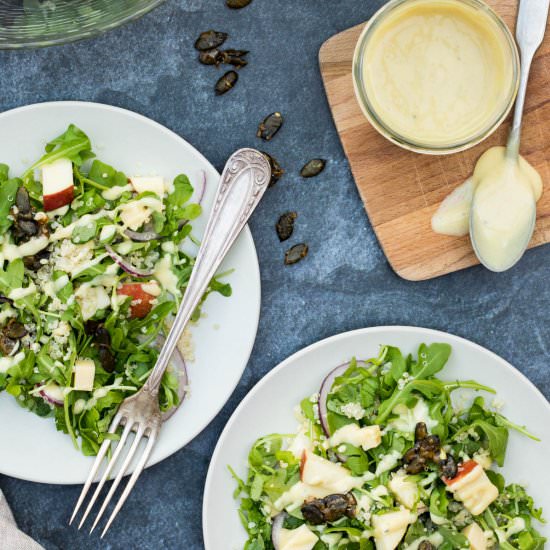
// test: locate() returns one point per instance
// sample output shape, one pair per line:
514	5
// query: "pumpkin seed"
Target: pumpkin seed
270	126
226	82
313	168
210	39
285	225
296	253
237	4
276	170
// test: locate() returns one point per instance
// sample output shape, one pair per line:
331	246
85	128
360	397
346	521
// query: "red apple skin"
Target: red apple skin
464	468
59	199
135	290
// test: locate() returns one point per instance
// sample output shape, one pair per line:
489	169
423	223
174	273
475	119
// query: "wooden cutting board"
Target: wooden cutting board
401	190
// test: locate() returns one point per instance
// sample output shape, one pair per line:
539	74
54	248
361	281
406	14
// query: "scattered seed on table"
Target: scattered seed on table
210	57
234	57
210	39
313	168
226	57
270	126
237	4
226	82
276	170
296	253
285	225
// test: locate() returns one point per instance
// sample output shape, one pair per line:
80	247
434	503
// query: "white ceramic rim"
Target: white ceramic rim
246	234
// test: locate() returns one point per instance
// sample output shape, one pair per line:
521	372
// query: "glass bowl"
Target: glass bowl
416	145
37	23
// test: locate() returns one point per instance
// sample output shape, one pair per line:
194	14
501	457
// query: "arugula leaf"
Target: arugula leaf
431	360
4	172
8	189
89	201
83	233
106	175
72	144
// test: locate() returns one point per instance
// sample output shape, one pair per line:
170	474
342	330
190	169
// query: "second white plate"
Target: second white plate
268	408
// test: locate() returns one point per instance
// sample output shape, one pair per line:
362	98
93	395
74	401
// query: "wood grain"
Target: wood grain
401	190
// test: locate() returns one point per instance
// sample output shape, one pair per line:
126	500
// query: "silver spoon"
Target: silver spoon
530	29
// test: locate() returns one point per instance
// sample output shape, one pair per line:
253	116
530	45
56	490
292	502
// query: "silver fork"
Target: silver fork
243	183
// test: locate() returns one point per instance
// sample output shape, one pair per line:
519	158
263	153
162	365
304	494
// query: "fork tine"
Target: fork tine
121	472
99	458
106	473
132	481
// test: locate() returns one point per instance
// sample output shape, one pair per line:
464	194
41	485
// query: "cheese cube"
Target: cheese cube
134	214
367	437
297	539
154	184
390	528
84	373
405	491
476	537
474	489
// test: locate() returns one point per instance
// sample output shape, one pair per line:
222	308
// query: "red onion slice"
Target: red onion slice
203	190
53	394
141	237
326	386
126	265
183	223
278	522
180	367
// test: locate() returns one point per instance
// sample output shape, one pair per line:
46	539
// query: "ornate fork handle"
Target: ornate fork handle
242	185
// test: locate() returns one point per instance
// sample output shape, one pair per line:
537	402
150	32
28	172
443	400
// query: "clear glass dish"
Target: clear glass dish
406	142
38	23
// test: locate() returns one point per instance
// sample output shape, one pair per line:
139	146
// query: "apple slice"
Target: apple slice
390	528
301	538
319	472
154	184
142	295
472	487
464	468
476	537
57	184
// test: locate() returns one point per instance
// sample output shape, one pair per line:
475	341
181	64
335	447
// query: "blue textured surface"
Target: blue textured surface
345	283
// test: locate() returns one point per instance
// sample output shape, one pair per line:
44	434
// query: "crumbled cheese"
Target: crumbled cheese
186	345
353	410
387	462
91	299
407	419
71	257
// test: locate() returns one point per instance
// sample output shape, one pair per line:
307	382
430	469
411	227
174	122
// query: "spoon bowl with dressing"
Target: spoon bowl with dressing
506	187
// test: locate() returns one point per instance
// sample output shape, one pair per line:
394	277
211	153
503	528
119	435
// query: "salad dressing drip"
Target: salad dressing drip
499	196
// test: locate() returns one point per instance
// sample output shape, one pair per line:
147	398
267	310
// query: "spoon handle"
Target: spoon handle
530	29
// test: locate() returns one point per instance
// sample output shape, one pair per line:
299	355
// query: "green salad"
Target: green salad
92	269
384	459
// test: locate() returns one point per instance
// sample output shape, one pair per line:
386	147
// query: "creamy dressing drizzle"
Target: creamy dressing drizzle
499	197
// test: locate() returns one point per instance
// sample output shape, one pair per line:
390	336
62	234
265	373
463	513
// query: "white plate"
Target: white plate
268	408
30	447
